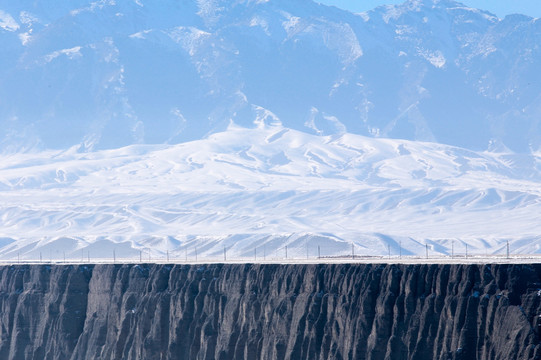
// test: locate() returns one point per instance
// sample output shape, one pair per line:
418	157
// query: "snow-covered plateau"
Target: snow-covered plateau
256	191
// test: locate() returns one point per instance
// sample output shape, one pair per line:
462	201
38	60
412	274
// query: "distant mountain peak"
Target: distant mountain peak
109	74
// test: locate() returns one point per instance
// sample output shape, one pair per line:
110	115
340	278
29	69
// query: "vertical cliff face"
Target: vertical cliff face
349	311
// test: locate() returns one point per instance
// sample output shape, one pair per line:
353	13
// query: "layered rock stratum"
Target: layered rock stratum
270	311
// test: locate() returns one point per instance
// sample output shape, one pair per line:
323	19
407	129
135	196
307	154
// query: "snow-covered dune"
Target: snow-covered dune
257	191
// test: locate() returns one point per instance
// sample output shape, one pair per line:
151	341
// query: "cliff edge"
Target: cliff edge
270	311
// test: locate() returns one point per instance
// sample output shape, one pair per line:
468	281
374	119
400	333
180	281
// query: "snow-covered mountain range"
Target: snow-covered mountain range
112	73
193	126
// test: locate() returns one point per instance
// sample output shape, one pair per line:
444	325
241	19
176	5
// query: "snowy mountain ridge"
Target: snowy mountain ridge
197	126
107	74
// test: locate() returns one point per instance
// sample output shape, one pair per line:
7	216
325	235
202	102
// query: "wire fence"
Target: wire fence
309	253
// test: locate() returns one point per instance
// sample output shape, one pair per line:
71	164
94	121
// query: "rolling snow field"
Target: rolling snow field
333	194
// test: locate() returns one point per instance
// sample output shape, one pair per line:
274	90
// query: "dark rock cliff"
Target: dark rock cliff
347	311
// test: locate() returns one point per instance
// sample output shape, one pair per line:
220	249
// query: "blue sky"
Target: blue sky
498	7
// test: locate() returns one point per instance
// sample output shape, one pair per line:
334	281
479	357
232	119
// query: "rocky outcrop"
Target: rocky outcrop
261	311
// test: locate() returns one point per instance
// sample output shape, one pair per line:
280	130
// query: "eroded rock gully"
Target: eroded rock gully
268	311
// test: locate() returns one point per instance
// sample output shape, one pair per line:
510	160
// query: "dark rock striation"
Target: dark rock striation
254	311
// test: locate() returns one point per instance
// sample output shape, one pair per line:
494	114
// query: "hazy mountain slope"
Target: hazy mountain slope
108	74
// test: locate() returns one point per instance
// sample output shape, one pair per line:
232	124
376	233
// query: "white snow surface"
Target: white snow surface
268	191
